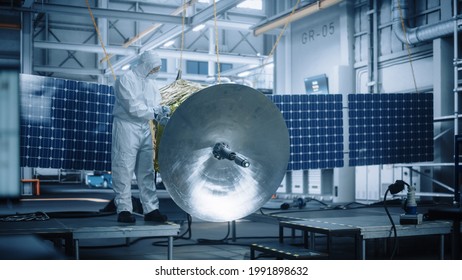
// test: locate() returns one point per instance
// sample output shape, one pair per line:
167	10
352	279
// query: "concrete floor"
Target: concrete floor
200	240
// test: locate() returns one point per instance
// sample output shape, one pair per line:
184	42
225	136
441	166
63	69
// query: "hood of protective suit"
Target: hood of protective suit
147	61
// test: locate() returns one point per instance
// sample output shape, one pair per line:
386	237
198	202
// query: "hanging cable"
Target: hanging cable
100	38
407	45
216	40
265	62
182	41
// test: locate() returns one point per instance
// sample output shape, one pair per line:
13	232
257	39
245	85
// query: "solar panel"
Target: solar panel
315	124
390	128
65	124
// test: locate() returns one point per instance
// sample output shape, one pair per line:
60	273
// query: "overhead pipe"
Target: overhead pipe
421	33
102	13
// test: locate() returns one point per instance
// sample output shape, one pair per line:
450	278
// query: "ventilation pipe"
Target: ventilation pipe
420	33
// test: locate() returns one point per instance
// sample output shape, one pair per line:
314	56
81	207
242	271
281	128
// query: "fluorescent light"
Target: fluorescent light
199	27
251	4
169	43
244	74
125	67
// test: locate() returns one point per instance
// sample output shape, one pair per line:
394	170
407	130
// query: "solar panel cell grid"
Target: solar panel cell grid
65	124
390	128
315	123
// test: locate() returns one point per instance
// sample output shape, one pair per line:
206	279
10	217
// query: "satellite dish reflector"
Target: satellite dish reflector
224	152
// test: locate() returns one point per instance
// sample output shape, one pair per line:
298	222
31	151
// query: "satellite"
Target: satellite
224	152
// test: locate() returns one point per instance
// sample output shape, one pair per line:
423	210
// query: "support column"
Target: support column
443	80
103	30
26	64
27	38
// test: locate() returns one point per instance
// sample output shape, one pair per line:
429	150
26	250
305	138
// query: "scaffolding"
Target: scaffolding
457	90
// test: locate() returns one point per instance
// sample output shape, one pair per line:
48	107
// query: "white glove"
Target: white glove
161	112
163	121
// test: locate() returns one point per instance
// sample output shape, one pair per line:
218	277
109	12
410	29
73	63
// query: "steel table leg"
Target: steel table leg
442	247
170	248
76	248
363	250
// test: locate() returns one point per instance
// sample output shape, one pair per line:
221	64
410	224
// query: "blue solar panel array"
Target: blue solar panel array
65	124
315	123
390	128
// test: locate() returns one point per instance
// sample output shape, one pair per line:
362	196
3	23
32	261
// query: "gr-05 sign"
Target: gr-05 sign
317	33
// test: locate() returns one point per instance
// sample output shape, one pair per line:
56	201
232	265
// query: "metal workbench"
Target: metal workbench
99	227
363	228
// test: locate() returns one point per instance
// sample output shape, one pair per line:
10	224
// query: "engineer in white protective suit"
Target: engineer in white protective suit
137	100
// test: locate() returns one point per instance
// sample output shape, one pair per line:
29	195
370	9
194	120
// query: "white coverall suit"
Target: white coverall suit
136	99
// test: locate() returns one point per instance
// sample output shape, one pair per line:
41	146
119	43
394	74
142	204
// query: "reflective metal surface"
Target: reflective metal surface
250	125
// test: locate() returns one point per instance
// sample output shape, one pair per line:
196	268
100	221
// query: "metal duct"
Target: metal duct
420	33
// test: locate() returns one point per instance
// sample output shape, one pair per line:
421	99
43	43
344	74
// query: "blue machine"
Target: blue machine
103	180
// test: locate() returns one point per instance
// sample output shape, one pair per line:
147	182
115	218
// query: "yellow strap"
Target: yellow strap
182	35
100	38
216	40
279	37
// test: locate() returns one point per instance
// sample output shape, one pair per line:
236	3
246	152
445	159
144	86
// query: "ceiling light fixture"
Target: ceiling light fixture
169	43
198	28
244	74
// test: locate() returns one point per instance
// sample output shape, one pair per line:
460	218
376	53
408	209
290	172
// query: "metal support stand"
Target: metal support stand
170	248
76	248
457	169
441	247
233	231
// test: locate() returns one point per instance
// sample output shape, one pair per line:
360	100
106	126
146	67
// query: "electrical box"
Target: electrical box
343	185
314	182
367	182
282	189
297	182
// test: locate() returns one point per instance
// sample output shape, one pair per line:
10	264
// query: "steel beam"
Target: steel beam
224	58
240	59
84	48
74	71
102	13
230	25
208	13
199	18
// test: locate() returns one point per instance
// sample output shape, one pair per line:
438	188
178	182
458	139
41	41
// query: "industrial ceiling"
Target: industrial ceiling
77	37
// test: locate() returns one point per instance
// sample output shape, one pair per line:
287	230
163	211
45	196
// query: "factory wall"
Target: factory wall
339	42
319	46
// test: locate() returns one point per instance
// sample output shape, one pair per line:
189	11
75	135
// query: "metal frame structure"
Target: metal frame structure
49	51
457	91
